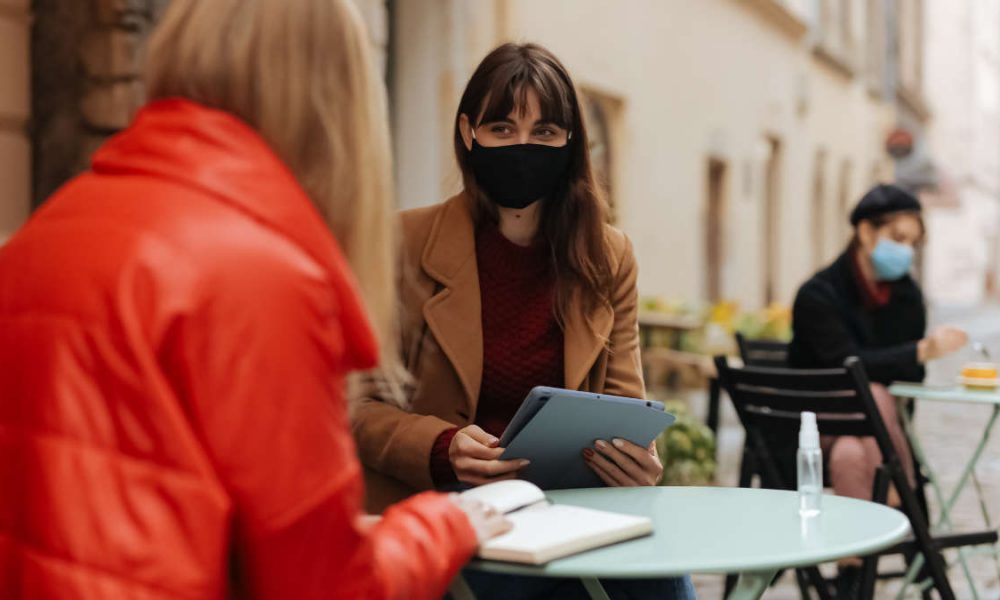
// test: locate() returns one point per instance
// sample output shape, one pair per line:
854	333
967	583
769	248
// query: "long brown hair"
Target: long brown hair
573	220
302	75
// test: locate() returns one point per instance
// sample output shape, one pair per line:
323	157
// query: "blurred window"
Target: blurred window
716	227
601	113
818	208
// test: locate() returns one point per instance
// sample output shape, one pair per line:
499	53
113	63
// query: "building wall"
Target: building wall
435	47
694	81
962	57
86	80
15	149
683	83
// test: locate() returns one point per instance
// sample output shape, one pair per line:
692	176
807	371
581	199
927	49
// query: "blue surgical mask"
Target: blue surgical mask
891	260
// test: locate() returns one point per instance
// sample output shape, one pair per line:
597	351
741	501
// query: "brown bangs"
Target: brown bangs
573	220
507	90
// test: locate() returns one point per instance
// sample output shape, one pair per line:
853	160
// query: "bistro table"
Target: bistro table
959	395
754	532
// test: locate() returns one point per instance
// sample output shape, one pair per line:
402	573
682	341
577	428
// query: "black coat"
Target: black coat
830	322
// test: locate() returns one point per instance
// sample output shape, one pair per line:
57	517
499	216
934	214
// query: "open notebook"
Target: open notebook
543	532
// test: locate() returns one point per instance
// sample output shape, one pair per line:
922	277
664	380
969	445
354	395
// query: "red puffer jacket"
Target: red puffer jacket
175	326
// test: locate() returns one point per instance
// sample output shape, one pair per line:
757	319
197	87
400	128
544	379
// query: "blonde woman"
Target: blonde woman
176	326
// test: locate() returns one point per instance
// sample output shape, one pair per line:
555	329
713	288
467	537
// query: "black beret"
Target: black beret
882	200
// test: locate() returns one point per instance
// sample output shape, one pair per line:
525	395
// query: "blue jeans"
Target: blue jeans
495	586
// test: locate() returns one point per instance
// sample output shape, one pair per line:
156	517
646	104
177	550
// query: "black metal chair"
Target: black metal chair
762	353
757	353
767	354
769	402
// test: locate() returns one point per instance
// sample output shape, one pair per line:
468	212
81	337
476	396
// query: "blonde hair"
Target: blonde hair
299	72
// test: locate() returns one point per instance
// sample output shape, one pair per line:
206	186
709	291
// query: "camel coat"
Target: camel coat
442	344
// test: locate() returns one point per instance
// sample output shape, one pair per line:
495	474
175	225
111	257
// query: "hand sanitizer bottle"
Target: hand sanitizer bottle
810	467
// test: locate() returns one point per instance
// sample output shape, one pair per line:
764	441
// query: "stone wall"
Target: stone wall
15	150
86	80
86	77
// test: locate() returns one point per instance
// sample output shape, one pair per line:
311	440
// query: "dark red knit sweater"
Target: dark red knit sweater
522	342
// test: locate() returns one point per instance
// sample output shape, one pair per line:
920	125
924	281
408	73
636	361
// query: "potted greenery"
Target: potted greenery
687	449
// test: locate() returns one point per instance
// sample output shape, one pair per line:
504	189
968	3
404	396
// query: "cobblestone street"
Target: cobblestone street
949	434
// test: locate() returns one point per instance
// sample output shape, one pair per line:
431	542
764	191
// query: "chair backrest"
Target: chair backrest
769	402
762	353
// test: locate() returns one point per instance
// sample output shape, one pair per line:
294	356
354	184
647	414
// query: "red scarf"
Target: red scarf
874	294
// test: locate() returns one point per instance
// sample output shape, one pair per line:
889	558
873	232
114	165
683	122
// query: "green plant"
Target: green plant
687	449
720	321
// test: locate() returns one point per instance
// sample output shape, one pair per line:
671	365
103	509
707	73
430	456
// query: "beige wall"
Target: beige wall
694	79
15	151
438	43
962	56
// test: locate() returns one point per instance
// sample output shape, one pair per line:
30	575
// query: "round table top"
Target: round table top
720	530
950	393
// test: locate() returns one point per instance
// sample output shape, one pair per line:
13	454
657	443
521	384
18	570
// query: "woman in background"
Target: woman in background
866	304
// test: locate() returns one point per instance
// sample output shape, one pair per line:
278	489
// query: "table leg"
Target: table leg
944	516
968	574
460	589
594	588
751	585
911	576
994	551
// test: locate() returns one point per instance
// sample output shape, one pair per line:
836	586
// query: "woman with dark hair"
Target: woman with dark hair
866	304
518	281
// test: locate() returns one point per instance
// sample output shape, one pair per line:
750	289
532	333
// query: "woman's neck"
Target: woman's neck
520	225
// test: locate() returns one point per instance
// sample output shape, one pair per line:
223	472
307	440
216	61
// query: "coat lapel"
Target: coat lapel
454	314
584	342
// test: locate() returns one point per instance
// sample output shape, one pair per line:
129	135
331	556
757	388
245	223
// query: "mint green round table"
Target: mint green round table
716	530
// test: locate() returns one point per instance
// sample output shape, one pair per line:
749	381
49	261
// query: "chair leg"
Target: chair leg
880	487
869	570
714	397
803	581
819	583
730	585
748	466
921	494
918	522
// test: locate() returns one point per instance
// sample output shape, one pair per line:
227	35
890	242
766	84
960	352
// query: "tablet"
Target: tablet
553	426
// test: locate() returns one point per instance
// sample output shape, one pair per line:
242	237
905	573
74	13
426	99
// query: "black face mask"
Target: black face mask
519	175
